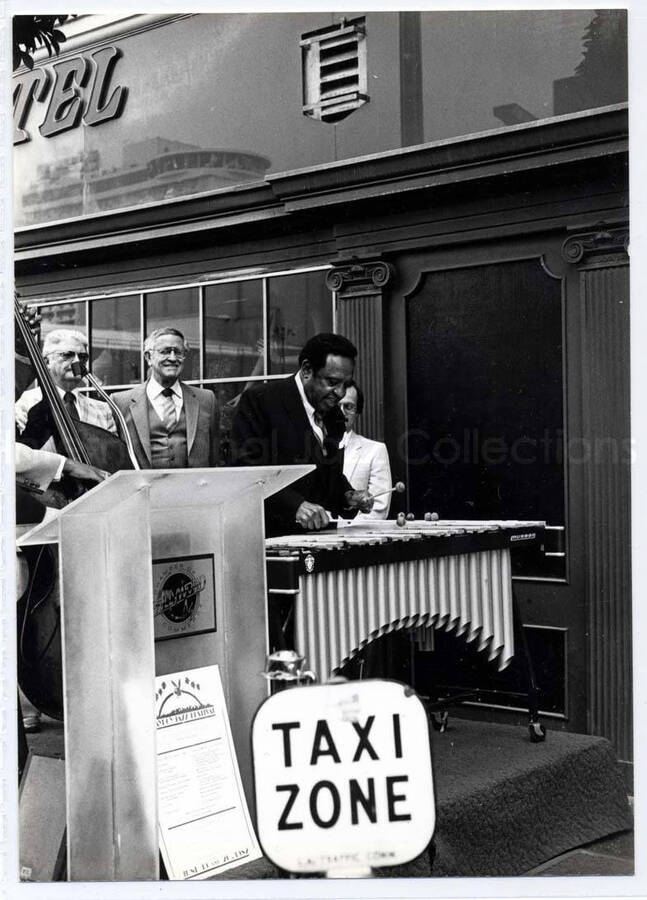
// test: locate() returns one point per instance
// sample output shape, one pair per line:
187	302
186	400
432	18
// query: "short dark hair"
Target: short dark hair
360	395
318	348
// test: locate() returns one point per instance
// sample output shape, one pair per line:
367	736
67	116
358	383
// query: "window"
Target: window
115	338
278	94
296	309
233	329
62	315
334	70
239	330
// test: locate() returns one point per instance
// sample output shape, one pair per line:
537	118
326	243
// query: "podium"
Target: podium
197	527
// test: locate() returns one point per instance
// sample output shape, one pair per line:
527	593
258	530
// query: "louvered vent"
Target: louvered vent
334	70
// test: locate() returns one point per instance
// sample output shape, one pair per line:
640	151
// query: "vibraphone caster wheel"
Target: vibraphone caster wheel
537	732
439	722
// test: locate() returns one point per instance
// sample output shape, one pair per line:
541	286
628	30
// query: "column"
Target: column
602	261
359	285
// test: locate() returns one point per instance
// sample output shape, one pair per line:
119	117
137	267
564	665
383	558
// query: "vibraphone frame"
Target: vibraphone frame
290	560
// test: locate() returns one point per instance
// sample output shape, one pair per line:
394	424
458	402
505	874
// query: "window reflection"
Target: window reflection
62	315
233	328
116	341
177	309
190	128
514	66
227	396
298	307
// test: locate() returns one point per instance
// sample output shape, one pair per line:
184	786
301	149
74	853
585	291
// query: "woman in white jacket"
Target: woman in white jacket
366	462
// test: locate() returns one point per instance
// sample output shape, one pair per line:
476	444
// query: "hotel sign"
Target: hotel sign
74	90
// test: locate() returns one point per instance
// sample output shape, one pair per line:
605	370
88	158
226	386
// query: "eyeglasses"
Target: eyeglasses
170	351
68	355
348	407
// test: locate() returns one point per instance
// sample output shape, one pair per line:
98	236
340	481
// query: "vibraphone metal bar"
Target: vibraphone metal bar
355	583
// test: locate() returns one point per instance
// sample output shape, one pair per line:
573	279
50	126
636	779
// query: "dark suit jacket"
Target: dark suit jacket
271	428
201	424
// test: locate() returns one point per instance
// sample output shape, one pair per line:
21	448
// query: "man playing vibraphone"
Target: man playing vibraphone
297	420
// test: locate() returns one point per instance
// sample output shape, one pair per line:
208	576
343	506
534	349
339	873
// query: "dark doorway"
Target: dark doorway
485	397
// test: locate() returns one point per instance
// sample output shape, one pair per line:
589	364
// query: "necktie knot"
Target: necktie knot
319	421
168	409
70	404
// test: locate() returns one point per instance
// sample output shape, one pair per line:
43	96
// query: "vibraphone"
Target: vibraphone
351	585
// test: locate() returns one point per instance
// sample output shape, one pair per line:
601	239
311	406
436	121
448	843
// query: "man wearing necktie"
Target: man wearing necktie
296	420
172	425
39	461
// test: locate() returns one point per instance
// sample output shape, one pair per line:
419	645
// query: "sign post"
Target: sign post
343	777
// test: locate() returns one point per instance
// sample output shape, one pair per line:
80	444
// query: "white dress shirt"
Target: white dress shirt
154	393
310	410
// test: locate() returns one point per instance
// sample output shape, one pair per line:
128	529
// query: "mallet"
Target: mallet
398	487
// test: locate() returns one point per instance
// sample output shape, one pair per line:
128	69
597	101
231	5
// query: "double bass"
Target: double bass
38	610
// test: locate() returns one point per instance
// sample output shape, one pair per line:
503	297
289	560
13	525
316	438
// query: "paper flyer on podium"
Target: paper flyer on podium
204	823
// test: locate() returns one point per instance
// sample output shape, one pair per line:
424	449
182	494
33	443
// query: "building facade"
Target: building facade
462	215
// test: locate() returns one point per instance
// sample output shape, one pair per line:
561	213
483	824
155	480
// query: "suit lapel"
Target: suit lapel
296	412
139	413
191	408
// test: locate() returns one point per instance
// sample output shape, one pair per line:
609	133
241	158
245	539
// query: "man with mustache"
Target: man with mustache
172	425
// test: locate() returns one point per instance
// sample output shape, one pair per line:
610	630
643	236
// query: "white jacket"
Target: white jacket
366	466
36	469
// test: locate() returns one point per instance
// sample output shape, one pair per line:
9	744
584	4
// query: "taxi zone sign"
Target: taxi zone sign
343	777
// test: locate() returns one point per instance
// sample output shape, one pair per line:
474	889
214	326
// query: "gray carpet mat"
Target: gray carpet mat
504	805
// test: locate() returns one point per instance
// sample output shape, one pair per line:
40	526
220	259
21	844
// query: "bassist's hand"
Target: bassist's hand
21	414
84	472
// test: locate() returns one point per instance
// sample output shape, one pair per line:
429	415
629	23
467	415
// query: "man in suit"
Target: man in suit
172	425
37	462
297	420
366	462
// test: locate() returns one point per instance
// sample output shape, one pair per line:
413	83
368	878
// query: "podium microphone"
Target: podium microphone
81	371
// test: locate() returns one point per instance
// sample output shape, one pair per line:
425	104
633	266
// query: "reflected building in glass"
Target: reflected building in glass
224	99
154	169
